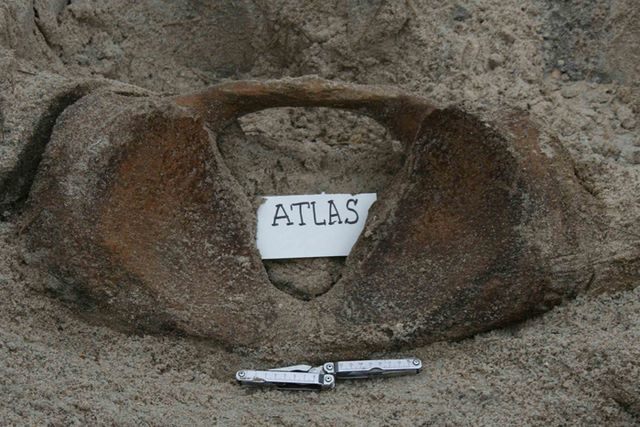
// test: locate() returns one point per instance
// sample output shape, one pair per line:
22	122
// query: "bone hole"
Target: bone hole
285	151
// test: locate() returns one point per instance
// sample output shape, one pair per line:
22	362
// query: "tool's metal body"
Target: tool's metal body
307	377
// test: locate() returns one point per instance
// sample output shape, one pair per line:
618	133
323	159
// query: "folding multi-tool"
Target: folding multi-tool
306	377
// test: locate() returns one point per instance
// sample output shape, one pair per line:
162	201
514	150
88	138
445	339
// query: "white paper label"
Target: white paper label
307	226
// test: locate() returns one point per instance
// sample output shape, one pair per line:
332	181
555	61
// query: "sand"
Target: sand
572	66
576	365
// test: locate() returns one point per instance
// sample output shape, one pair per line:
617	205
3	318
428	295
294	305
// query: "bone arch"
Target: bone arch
394	110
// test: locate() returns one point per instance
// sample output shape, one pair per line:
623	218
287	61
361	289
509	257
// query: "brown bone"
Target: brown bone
137	214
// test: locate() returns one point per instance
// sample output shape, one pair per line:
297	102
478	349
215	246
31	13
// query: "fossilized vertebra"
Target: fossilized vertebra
136	210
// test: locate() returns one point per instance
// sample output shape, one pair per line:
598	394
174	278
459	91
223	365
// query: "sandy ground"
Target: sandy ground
577	365
571	65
